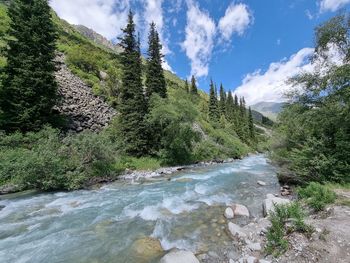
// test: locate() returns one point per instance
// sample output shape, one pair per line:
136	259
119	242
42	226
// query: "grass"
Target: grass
317	196
285	220
143	163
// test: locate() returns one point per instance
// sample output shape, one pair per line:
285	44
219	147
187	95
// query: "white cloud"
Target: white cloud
271	85
154	13
236	20
332	5
308	14
199	41
106	17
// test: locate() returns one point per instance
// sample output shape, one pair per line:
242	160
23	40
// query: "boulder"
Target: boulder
179	256
261	183
240	210
236	230
146	249
253	246
271	201
229	214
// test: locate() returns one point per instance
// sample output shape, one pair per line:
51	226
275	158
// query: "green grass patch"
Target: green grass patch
316	195
285	220
143	163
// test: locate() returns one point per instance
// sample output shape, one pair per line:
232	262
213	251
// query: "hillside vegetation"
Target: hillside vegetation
50	160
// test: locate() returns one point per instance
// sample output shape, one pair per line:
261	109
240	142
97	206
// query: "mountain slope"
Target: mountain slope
269	109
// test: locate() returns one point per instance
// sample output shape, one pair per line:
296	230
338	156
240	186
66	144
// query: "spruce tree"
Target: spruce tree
187	87
222	103
194	89
132	106
213	103
251	125
229	108
155	80
29	88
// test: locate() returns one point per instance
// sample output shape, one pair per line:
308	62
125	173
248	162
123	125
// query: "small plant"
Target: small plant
285	220
317	196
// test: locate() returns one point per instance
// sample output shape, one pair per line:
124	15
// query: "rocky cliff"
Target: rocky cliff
84	110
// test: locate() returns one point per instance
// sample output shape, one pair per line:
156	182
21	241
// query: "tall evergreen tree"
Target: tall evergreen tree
229	107
251	125
29	89
194	89
222	103
187	87
213	103
132	106
155	80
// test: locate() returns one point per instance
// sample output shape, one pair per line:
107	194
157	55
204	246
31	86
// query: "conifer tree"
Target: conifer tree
222	103
155	80
194	89
251	125
213	103
132	106
29	90
229	108
187	87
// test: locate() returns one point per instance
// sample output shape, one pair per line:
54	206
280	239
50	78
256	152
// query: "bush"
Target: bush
46	161
285	220
317	196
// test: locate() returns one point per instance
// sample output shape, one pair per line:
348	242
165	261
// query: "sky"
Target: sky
250	46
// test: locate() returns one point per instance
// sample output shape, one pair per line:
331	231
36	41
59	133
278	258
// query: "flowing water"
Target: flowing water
102	225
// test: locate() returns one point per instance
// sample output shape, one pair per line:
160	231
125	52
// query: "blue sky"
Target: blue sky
251	46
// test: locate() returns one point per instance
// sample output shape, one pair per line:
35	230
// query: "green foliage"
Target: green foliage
142	163
214	113
285	220
155	81
29	90
313	132
47	161
316	195
132	105
194	89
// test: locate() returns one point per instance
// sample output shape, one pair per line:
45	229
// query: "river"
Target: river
102	225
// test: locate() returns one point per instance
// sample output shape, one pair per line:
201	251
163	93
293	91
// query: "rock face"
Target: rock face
179	256
270	202
84	110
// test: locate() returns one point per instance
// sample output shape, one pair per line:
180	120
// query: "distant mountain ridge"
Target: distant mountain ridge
97	38
269	109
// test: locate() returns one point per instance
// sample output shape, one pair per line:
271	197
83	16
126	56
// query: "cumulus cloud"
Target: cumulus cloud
236	20
271	85
332	5
199	41
106	17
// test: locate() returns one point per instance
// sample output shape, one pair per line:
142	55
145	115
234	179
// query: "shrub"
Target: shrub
46	161
316	195
285	220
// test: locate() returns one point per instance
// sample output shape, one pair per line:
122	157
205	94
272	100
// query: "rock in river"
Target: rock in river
229	213
240	210
146	249
179	256
261	183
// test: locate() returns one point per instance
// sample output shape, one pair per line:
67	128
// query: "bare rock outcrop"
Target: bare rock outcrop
84	110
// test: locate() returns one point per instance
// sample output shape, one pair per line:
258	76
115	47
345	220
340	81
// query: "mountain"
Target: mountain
97	38
269	109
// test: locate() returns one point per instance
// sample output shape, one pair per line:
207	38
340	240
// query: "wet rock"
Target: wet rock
179	256
2	207
240	210
271	201
146	249
261	183
229	214
236	230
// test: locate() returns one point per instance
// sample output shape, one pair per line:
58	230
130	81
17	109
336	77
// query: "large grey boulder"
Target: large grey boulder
271	201
240	210
229	214
179	256
236	230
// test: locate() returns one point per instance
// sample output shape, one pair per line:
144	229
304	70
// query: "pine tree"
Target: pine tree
132	105
222	103
251	125
229	108
187	88
213	103
155	80
29	90
194	89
